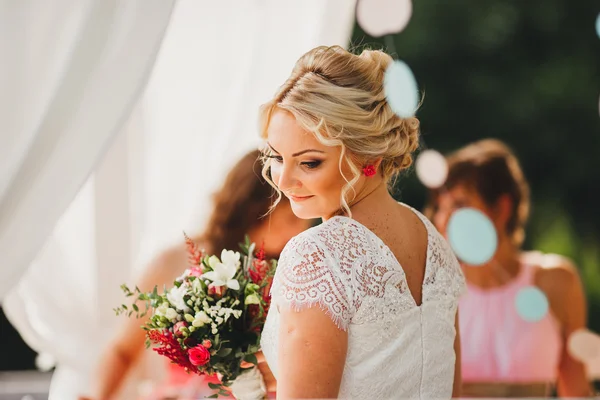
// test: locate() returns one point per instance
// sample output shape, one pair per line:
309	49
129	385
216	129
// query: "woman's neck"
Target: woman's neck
376	198
372	196
502	269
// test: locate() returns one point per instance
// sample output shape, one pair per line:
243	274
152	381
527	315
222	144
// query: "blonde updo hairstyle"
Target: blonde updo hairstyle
339	97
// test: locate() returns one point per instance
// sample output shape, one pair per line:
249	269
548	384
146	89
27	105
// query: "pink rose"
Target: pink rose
195	271
198	355
206	343
177	328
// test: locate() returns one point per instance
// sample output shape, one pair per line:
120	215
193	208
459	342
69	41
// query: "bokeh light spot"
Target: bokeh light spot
472	236
432	169
382	17
401	89
584	345
531	304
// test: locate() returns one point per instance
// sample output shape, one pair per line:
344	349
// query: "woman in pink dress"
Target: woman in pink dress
238	209
503	355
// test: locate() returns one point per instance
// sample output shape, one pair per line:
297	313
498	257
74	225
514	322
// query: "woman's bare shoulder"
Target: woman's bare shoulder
558	277
550	265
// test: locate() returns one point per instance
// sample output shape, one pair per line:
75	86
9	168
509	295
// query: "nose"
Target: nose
286	179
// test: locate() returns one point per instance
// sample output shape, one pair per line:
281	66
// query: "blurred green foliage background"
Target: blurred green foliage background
528	73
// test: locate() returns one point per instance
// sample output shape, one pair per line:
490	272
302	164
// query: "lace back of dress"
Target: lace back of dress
343	267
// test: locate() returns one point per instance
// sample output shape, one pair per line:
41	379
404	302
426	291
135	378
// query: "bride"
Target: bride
365	304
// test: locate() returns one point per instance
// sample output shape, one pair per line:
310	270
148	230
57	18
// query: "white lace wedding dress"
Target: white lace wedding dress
396	349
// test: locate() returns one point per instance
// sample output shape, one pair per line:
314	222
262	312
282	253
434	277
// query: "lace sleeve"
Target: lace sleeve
307	275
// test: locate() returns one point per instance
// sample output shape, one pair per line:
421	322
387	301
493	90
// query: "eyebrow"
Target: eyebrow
300	152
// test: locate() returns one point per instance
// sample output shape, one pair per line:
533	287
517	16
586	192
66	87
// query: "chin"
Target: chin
305	212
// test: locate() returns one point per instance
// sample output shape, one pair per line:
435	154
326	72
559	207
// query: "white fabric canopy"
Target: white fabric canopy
219	61
71	71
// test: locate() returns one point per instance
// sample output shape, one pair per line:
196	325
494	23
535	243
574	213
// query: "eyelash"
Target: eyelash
311	164
307	164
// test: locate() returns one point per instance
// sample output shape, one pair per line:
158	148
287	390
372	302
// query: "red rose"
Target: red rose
198	355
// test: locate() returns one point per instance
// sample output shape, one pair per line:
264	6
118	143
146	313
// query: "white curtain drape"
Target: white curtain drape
70	72
218	62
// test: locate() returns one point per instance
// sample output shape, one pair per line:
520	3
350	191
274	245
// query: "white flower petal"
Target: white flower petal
229	271
175	297
161	310
202	318
233	284
225	256
171	314
210	275
230	257
221	269
213	260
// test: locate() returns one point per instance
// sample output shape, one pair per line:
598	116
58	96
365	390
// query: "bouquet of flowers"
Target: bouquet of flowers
210	321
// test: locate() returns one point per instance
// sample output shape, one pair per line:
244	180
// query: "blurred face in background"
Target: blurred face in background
459	196
305	170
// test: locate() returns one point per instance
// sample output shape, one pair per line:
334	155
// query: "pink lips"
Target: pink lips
298	199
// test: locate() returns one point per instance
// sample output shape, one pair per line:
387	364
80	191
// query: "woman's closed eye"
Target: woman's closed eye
307	164
311	164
